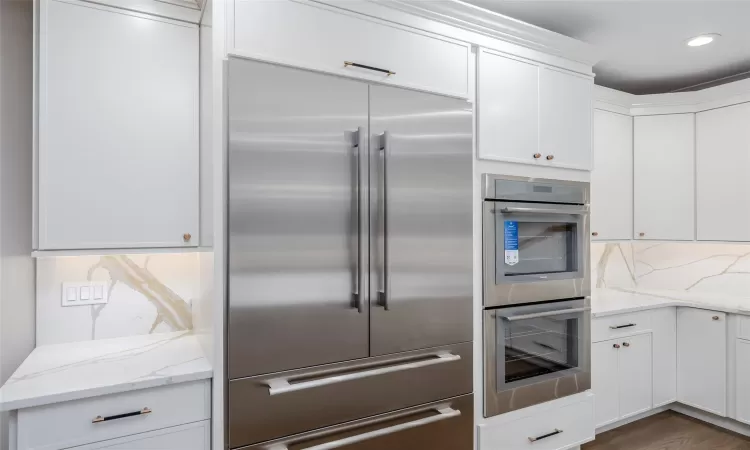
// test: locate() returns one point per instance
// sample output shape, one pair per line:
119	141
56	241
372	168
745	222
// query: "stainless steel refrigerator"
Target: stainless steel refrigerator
350	264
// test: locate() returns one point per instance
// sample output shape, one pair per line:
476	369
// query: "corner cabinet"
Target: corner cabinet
533	114
117	154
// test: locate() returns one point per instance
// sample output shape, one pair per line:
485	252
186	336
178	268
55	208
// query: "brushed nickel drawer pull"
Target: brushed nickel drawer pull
142	412
282	385
545	436
362	66
617	327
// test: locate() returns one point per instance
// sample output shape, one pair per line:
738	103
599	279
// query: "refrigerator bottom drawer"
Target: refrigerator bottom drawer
272	406
443	425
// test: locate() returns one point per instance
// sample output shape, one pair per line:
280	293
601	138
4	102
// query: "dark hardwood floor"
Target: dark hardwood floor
669	431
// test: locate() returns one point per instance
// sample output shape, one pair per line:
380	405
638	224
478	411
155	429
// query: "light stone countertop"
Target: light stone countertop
608	302
72	371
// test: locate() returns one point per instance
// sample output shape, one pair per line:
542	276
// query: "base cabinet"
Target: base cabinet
742	392
195	436
621	377
702	359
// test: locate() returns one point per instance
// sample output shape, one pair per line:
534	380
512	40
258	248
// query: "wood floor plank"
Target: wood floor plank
669	431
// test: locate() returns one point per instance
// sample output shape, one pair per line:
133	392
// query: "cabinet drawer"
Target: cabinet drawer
556	428
194	436
360	388
289	32
604	328
67	424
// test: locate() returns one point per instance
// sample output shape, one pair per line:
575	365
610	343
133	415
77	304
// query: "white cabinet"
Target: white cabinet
722	167
664	346
702	359
621	377
742	380
612	177
532	114
565	118
311	35
118	129
664	177
195	436
507	109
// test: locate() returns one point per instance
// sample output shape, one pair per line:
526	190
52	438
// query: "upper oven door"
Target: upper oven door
535	252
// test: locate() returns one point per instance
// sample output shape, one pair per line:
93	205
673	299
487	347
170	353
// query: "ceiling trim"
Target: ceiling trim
672	103
482	21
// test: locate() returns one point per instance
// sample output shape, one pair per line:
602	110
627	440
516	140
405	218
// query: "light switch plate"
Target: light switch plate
71	293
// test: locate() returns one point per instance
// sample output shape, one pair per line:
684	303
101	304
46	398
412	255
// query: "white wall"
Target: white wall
16	265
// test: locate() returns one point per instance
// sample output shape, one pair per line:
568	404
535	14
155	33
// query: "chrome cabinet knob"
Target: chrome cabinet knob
626	344
550	157
616	346
537	155
715	317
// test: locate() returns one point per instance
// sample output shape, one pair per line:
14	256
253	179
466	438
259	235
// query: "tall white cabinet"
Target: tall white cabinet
723	164
118	157
664	177
612	177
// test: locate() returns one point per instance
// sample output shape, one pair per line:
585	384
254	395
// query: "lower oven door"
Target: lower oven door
536	353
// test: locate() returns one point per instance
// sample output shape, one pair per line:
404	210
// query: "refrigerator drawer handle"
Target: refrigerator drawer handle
443	414
511	210
545	314
282	386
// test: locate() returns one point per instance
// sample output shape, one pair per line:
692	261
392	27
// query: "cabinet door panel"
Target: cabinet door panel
664	344
612	177
635	375
118	130
604	381
565	118
663	177
743	380
723	153
702	359
507	109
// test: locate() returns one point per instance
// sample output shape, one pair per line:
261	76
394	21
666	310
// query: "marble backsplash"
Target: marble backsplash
147	294
684	266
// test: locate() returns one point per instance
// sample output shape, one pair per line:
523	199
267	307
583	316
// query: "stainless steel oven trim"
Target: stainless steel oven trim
531	288
493	400
488	184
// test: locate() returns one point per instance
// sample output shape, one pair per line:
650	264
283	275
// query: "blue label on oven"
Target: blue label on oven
511	242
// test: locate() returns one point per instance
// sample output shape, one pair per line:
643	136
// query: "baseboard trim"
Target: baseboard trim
713	419
635	418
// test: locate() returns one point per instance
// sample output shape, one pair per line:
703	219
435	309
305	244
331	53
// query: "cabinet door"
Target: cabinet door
635	375
664	345
194	436
722	154
612	177
604	380
565	112
742	388
118	129
664	177
507	109
702	359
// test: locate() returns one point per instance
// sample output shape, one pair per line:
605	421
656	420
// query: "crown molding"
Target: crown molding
497	26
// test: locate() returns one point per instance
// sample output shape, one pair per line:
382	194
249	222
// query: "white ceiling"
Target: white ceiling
642	42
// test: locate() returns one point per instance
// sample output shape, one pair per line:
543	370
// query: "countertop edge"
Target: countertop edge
668	304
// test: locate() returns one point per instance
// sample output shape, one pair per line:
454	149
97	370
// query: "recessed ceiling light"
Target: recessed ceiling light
703	39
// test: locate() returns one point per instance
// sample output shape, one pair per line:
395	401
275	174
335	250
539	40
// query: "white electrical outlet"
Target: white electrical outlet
84	293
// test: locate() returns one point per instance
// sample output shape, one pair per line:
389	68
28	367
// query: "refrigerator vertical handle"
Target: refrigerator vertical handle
383	222
357	145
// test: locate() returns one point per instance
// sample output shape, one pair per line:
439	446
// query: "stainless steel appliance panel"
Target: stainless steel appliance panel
536	353
421	220
444	425
297	245
272	406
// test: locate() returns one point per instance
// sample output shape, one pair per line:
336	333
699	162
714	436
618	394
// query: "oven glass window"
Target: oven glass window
533	348
535	248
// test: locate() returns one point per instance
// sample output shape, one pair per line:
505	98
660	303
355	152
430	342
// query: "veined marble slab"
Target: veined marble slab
72	371
608	302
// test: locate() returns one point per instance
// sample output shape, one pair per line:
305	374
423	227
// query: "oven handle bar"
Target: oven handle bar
511	210
545	314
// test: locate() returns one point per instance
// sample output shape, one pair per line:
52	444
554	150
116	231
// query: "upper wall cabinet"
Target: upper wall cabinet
315	36
532	114
722	167
664	177
118	129
612	177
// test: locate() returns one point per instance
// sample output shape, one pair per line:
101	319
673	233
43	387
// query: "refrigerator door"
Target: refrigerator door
297	238
421	220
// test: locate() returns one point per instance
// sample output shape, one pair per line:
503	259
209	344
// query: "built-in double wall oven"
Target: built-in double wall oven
537	288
